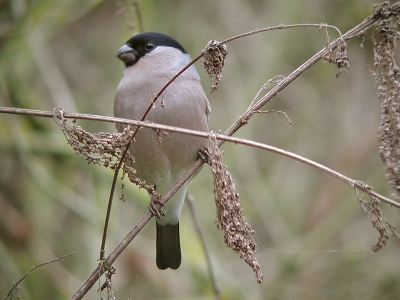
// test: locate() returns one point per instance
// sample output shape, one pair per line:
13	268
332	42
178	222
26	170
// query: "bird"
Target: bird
151	59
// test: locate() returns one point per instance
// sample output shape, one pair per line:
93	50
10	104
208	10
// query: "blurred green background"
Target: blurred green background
313	237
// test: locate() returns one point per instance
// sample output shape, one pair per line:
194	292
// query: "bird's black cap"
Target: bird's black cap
139	41
141	44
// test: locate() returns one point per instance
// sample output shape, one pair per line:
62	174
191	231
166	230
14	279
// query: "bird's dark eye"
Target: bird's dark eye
149	46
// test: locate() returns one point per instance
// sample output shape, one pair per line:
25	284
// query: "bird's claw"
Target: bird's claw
155	207
204	154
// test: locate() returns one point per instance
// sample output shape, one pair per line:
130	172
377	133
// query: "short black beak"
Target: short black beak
127	54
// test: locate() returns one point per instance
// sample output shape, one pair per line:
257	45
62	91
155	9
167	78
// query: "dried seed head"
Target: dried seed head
374	212
341	59
387	84
387	78
103	149
213	61
230	218
337	56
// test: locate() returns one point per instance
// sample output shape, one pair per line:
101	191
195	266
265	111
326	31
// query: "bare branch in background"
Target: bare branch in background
190	201
15	285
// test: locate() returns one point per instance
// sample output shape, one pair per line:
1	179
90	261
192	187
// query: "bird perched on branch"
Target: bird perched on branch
151	60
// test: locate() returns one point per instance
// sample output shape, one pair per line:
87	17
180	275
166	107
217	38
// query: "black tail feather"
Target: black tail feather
168	247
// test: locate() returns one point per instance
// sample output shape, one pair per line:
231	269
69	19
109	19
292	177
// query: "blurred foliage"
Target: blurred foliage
313	238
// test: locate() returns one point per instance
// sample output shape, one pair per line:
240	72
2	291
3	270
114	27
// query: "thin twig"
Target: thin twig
281	26
15	285
138	12
220	137
190	202
265	86
132	288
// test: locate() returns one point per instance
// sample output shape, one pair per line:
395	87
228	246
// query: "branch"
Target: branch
221	137
190	201
15	285
281	26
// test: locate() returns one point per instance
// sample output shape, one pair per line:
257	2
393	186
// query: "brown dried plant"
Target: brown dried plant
108	284
214	55
387	84
374	212
230	217
103	149
338	56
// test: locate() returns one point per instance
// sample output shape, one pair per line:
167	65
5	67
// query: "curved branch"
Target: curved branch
221	137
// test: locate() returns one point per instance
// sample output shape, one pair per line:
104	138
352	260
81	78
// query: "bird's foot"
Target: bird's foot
204	154
155	206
